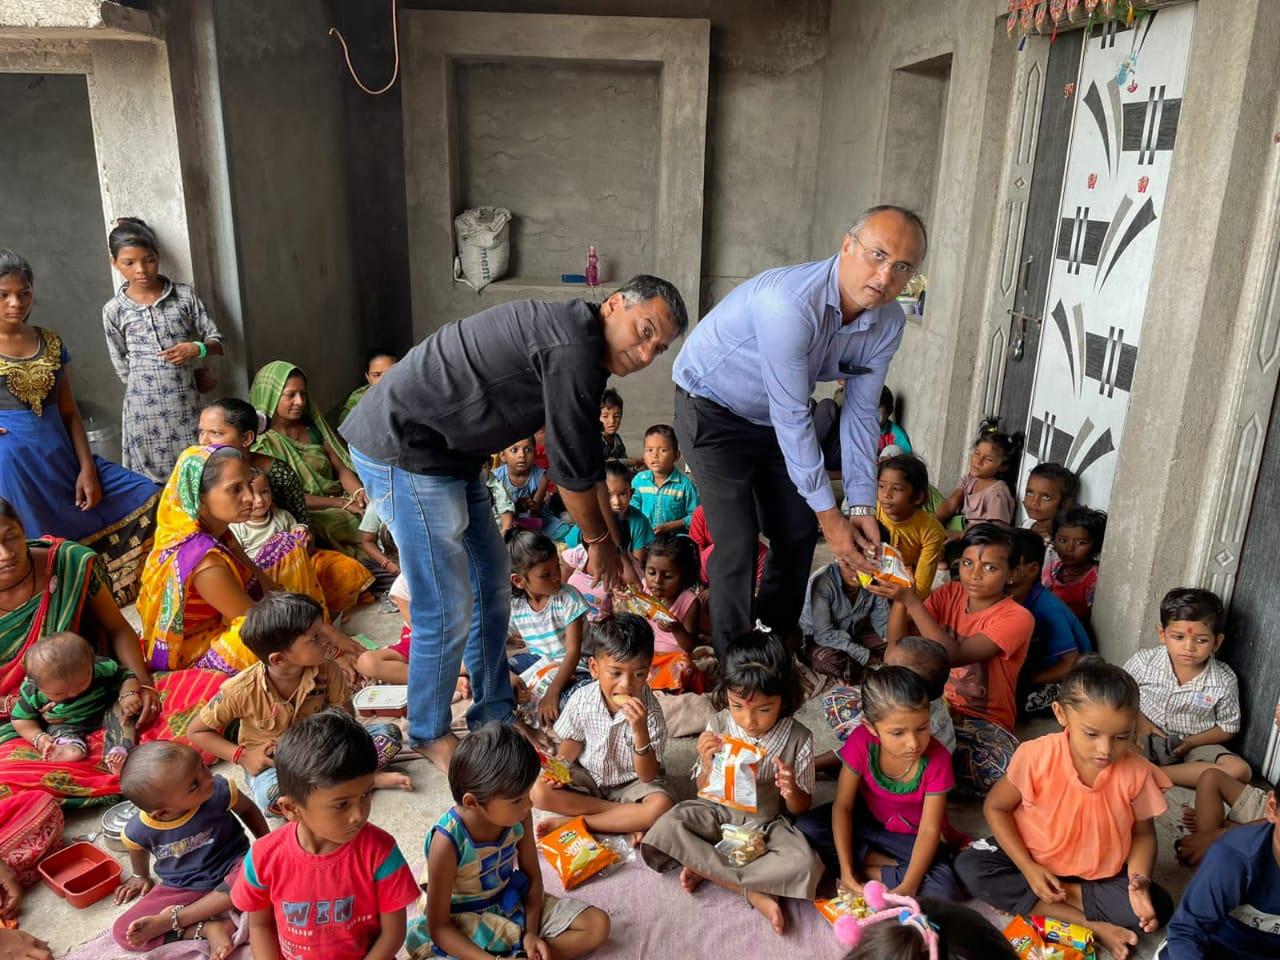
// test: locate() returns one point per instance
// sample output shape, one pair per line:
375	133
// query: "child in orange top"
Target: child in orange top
901	490
1073	819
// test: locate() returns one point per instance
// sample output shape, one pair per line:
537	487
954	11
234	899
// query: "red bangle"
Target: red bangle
235	757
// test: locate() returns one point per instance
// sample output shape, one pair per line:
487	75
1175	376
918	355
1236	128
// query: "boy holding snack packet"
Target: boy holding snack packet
612	734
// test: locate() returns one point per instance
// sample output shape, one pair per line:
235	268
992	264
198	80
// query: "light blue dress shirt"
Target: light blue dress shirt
763	348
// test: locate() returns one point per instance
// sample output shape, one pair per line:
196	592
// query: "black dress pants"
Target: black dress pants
745	491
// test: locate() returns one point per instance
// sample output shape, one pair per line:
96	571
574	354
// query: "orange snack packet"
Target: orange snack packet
643	605
574	853
1028	943
892	570
843	904
673	671
733	775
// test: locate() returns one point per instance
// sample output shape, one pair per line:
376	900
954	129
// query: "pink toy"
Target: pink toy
888	906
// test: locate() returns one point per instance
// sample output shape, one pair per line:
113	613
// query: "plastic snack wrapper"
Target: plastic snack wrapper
574	853
892	570
733	775
842	706
739	845
673	671
643	605
1029	943
843	904
1065	934
554	770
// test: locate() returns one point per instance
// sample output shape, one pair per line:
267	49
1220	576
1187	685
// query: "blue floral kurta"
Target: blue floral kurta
161	411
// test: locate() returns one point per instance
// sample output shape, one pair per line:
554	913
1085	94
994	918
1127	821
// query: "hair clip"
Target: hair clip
888	906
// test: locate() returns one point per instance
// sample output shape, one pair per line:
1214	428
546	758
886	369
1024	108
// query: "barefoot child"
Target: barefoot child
526	484
1190	698
665	495
549	616
192	822
293	679
1073	820
758	694
1222	803
329	883
1229	908
612	733
68	694
483	882
842	623
891	798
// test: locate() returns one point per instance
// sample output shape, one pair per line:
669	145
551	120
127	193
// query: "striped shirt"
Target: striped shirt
543	631
1210	698
606	737
674	499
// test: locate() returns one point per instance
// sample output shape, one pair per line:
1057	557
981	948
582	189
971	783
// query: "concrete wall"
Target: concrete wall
286	137
863	131
572	150
52	213
766	88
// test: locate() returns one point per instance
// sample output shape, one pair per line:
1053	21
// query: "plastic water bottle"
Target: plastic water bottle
593	268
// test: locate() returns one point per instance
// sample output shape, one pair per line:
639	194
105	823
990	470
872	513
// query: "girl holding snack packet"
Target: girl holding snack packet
754	771
671	577
548	615
891	799
483	883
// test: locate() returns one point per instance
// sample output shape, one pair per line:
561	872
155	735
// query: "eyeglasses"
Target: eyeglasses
900	270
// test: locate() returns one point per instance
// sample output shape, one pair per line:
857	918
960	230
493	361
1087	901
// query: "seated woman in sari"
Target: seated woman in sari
47	471
287	555
47	586
198	583
301	437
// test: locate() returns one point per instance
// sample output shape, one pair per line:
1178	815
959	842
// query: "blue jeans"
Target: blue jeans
459	578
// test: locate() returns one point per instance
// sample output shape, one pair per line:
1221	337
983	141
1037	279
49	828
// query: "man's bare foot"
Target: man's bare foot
145	929
690	881
1189	818
218	933
439	751
1117	940
768	907
67	753
543	827
386	780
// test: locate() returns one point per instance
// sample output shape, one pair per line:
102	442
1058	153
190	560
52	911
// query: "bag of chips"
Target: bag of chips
1029	944
1064	934
574	853
892	569
672	671
733	775
842	706
739	845
843	904
554	770
642	605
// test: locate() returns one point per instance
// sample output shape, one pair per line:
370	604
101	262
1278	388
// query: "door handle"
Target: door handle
1022	273
1017	346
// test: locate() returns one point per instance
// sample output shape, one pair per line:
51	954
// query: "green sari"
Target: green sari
334	528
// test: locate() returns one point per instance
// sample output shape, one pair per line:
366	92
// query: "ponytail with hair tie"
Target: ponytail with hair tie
888	906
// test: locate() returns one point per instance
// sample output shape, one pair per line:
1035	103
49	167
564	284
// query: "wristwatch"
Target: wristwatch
859	510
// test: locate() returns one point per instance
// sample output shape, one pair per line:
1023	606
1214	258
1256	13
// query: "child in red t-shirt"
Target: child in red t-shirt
986	633
328	884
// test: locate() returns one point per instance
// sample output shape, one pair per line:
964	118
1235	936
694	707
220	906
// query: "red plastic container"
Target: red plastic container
81	874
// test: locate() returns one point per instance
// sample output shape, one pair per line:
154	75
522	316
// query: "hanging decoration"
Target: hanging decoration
1030	17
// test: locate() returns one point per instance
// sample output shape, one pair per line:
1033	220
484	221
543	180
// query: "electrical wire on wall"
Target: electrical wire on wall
395	43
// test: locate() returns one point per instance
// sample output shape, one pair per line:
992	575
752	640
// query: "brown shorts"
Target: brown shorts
632	792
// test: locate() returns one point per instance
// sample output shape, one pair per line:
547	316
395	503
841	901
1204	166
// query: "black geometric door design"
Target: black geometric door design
1125	125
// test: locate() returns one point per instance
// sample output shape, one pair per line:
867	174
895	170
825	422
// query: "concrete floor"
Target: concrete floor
407	816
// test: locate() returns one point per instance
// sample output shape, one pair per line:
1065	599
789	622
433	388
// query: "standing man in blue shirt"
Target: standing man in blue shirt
743	418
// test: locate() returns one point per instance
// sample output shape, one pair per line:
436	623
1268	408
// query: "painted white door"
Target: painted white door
1128	103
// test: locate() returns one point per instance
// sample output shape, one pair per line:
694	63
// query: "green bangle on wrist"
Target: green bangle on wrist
204	350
